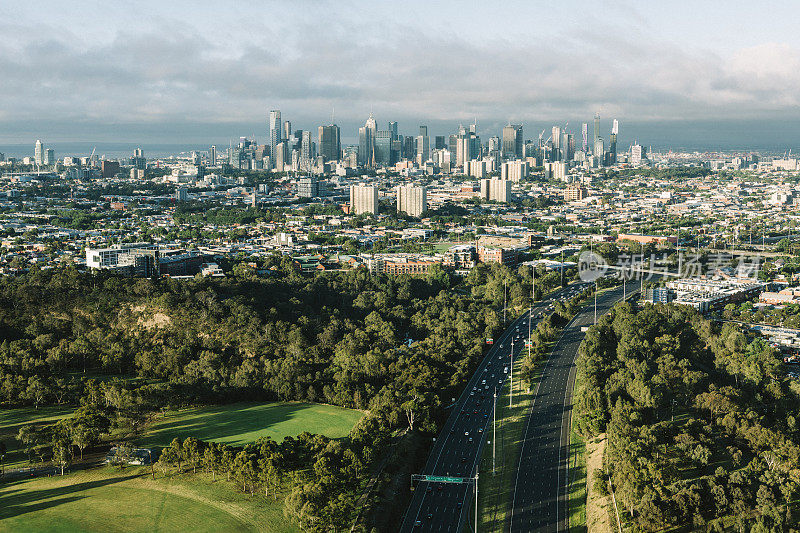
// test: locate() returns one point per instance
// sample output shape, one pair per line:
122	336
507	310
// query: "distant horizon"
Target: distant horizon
117	140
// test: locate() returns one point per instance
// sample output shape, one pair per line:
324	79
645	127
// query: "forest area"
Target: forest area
701	421
121	349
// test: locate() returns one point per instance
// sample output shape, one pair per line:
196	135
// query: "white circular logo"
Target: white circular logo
591	266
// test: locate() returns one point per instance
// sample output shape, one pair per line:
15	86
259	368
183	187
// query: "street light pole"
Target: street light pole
511	378
494	429
476	502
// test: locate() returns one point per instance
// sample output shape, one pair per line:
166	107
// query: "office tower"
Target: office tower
612	146
275	136
287	129
393	129
366	142
383	148
596	127
307	149
556	136
279	161
138	152
423	148
567	146
636	155
412	200
494	144
495	189
330	147
423	131
181	194
599	150
409	148
585	137
512	141
308	187
212	156
49	157
38	153
439	142
363	199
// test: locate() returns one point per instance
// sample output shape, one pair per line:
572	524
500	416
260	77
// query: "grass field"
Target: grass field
240	423
576	488
106	499
12	419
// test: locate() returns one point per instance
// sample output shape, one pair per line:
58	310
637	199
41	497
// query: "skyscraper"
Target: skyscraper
287	129
38	153
512	141
556	138
423	148
329	144
612	146
212	156
393	129
383	148
596	127
366	142
307	150
275	137
599	150
585	137
49	157
423	145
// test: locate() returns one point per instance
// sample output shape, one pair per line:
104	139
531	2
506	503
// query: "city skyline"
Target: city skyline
218	72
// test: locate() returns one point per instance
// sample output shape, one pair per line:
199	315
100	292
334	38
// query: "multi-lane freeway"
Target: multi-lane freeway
446	506
540	489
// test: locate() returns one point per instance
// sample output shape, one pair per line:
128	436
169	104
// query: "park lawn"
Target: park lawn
13	419
240	423
108	499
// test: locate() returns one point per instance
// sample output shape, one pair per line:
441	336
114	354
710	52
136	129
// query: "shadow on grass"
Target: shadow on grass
222	422
18	501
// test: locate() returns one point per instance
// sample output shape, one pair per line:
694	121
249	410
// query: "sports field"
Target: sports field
240	423
106	499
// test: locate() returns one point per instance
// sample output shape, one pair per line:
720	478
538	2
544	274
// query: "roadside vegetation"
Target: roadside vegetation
701	421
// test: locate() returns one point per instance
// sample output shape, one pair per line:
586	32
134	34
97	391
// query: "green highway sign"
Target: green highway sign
443	479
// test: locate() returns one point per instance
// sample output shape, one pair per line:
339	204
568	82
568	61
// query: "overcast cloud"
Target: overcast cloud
185	68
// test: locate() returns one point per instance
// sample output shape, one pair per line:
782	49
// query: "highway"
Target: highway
540	488
456	452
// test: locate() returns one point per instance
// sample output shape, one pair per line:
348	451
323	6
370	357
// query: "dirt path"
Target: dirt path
598	507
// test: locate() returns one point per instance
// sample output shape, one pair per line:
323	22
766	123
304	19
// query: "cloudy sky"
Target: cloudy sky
174	71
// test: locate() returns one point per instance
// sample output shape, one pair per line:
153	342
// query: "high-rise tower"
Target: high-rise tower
596	127
612	148
38	153
275	127
585	137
